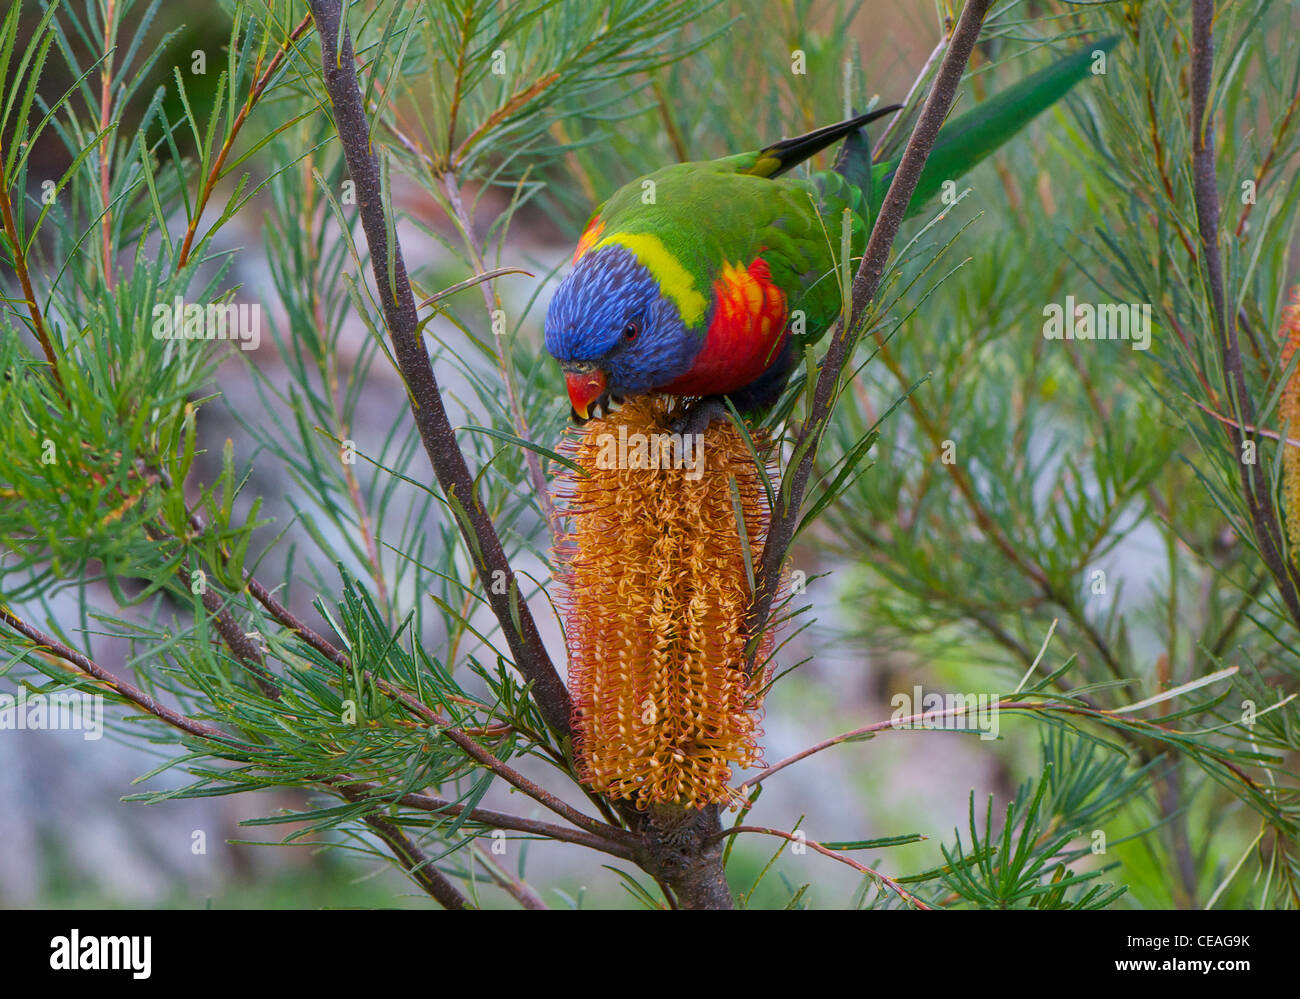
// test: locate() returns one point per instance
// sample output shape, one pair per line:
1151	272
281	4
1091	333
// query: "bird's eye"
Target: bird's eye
630	331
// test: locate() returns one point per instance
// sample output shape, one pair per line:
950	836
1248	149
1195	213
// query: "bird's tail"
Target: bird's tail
966	140
776	159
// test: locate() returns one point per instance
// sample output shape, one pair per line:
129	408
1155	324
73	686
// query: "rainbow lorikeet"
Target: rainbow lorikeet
707	279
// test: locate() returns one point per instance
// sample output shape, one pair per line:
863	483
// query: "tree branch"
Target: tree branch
521	891
132	693
402	322
501	820
9	229
491	762
844	338
874	875
214	174
1255	484
922	720
451	187
414	862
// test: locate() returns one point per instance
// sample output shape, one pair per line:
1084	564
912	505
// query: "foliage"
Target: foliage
335	637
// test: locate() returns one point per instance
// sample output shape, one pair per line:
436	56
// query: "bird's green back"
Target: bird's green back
687	221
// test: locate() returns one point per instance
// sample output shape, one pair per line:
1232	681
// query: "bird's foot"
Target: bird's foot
699	414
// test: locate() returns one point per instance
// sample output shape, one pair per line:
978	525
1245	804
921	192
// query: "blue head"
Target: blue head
614	332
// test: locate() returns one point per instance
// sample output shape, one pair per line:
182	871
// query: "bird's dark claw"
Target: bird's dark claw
699	414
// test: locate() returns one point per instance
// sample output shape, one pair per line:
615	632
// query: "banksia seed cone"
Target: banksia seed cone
655	598
1289	417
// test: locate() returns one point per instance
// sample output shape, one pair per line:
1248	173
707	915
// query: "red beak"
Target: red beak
585	387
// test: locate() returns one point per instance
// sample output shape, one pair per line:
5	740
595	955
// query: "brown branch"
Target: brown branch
214	174
958	474
414	862
417	866
132	693
458	89
1267	164
902	113
1255	484
670	123
518	889
1247	600
105	144
286	617
901	724
502	820
875	875
513	104
241	646
920	719
402	323
844	337
1158	149
497	766
25	280
445	172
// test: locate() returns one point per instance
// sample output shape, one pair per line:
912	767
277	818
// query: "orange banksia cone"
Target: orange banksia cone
1289	418
656	592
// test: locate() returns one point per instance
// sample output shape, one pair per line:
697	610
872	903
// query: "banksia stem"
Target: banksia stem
656	594
1289	417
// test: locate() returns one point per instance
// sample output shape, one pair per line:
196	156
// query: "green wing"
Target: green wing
686	221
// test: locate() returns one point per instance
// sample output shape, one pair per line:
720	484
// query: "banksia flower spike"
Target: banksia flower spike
656	593
1289	418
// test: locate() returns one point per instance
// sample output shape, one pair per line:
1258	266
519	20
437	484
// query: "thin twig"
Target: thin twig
901	114
214	174
1267	163
241	645
105	143
25	280
961	479
670	123
521	891
875	875
844	338
132	693
923	719
469	282
497	766
451	187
